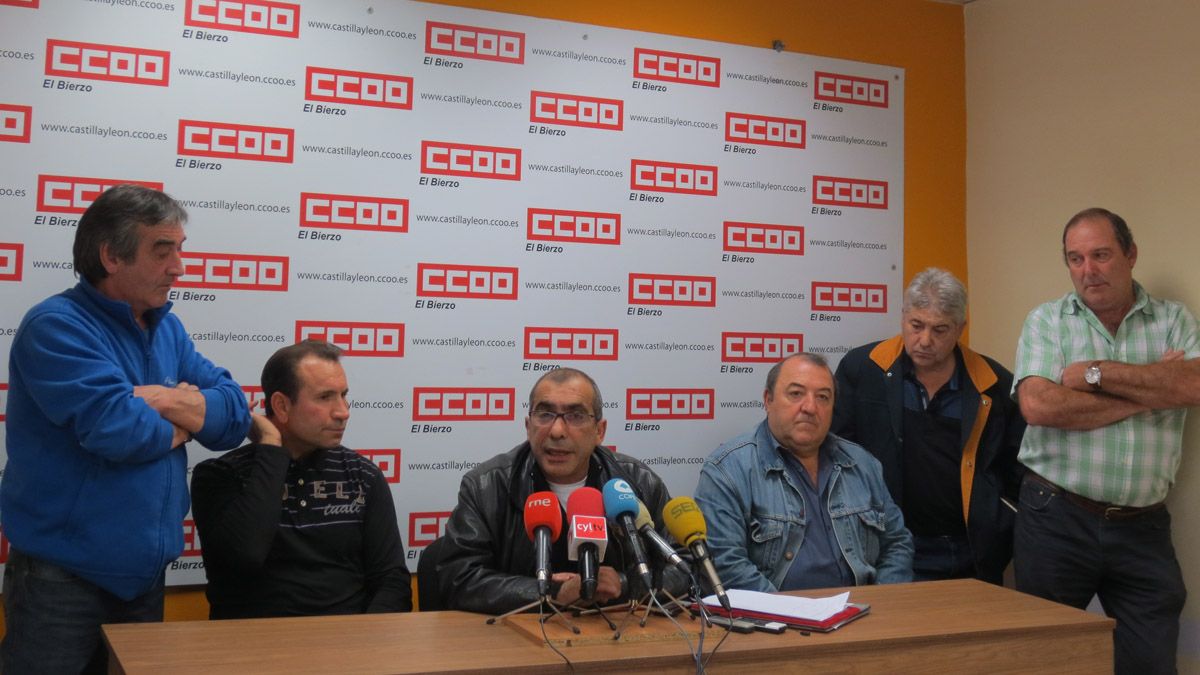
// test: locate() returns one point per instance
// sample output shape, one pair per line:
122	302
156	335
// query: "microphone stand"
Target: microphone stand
541	603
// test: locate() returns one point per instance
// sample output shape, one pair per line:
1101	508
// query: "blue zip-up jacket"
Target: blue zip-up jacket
92	483
756	519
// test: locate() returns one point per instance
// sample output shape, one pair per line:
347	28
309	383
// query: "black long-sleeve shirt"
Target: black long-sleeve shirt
294	538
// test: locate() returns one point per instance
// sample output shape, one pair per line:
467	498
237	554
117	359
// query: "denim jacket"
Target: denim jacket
756	520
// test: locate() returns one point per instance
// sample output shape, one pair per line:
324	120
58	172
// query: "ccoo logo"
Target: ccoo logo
833	296
263	17
353	87
16	121
353	212
234	271
355	338
11	255
463	404
73	194
583	344
586	227
109	63
850	89
388	461
668	404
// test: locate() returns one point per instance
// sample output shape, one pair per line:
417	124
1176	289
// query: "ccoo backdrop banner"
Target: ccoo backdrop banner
463	200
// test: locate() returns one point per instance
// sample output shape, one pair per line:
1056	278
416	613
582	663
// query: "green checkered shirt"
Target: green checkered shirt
1131	462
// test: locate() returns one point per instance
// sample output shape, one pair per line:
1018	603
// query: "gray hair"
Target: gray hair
939	290
115	219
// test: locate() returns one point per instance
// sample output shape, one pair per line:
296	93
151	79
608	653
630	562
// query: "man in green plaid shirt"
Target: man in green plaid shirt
1104	378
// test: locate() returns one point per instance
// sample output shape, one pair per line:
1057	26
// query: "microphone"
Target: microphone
543	524
686	523
621	505
646	526
589	536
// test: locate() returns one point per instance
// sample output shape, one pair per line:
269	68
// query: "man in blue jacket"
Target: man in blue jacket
791	506
938	417
105	387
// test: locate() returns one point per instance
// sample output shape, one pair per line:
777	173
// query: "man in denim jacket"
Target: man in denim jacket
791	506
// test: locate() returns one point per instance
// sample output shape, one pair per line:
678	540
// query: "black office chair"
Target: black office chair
429	597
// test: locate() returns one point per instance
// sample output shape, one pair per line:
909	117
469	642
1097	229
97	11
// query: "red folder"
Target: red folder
852	611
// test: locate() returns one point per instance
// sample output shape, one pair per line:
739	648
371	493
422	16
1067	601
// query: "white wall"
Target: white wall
1078	103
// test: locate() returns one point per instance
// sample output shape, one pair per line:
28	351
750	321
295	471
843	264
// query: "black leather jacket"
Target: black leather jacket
488	561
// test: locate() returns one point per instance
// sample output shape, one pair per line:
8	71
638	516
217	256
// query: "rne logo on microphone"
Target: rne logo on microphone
3	400
672	289
850	89
585	227
659	176
354	87
739	347
388	461
471	161
854	192
426	526
262	17
653	64
474	42
576	110
668	404
11	256
439	280
191	540
356	338
763	130
16	121
353	212
235	141
234	271
73	194
582	344
834	296
255	398
463	404
110	63
764	238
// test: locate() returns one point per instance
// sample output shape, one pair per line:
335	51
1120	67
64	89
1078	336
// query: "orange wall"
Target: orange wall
923	37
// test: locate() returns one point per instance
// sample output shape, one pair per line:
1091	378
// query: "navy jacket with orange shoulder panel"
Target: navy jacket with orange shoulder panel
869	410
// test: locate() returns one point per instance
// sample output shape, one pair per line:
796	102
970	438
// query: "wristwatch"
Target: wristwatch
1092	375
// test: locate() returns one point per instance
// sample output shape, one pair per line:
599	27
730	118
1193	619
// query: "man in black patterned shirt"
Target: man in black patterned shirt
331	545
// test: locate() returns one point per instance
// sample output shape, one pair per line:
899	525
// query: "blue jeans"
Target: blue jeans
1066	553
942	557
54	618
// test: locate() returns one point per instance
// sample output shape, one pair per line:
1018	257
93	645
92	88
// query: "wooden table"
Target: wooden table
931	627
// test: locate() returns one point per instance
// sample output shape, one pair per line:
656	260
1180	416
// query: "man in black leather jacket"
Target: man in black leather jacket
487	561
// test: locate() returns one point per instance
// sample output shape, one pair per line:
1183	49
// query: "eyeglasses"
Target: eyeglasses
574	418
